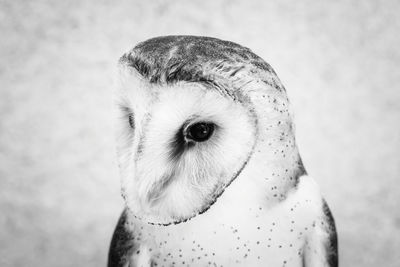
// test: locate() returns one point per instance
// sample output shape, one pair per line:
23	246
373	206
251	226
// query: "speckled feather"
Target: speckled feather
266	212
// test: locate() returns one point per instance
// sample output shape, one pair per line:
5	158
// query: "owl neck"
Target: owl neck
275	165
265	182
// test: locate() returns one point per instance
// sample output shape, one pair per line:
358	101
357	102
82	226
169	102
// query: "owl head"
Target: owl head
191	113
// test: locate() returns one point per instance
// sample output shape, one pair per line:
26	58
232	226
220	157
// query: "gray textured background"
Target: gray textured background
59	185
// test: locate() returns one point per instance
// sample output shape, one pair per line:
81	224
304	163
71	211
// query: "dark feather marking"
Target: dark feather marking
178	144
171	59
332	246
236	71
303	260
222	89
131	120
122	244
300	168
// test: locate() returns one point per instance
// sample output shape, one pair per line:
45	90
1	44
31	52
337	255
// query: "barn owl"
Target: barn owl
210	171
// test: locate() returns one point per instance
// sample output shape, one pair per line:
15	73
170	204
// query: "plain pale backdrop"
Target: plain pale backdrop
59	184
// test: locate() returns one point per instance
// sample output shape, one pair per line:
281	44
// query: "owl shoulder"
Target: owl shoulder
124	243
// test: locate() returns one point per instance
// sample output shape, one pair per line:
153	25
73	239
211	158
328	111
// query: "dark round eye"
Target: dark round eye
200	132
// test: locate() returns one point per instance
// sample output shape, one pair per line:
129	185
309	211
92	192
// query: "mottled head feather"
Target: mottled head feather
170	59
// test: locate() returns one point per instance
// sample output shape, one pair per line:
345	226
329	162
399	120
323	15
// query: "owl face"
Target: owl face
179	146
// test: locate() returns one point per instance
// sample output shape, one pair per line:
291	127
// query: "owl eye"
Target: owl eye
200	132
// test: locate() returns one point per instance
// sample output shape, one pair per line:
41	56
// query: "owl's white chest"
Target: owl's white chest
238	233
